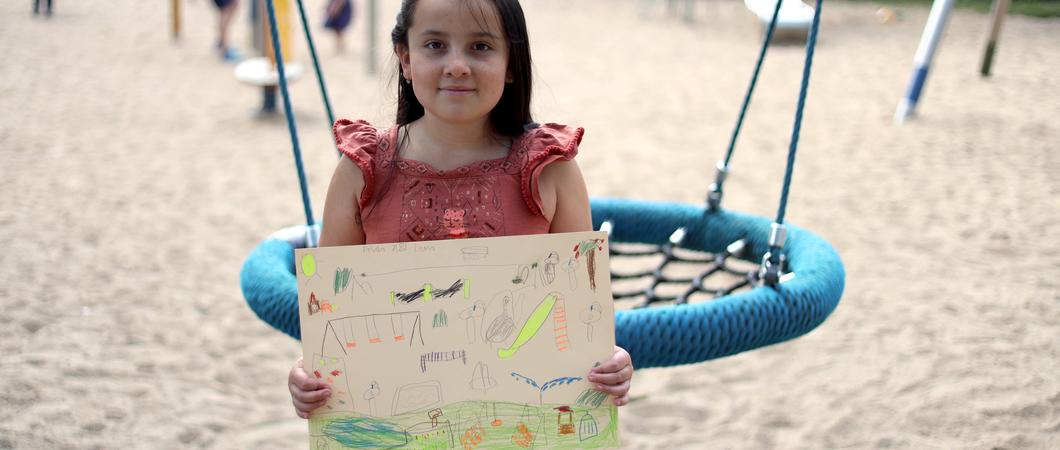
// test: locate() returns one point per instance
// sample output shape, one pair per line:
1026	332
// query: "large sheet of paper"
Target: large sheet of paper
469	343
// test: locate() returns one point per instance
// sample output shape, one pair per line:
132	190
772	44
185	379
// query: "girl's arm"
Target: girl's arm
564	198
342	215
342	226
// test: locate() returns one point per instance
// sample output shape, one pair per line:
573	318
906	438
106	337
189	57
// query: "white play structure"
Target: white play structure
793	19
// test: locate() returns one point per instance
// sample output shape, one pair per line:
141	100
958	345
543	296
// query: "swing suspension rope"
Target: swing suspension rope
312	232
715	191
316	66
721	270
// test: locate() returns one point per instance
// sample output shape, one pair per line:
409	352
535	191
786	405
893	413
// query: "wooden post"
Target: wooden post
997	15
176	20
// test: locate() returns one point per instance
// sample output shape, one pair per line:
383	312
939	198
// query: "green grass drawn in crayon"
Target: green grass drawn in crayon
440	319
496	422
591	398
342	279
531	327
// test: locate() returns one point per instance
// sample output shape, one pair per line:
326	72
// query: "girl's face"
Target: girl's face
457	58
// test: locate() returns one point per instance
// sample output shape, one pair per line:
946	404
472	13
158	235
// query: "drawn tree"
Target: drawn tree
544	387
589	248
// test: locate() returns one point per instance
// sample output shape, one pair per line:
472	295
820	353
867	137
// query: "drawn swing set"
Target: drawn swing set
782	282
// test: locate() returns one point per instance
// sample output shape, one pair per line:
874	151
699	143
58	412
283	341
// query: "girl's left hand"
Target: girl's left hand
614	376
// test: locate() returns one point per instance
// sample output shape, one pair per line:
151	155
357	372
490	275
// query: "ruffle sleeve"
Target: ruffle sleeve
546	144
364	145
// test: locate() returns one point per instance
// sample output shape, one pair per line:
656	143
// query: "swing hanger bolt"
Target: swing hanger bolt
607	226
772	274
721	171
778	235
736	248
678	236
772	271
714	192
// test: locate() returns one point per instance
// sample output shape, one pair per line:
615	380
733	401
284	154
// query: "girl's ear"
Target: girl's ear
404	59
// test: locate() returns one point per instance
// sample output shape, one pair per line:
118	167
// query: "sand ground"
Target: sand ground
134	182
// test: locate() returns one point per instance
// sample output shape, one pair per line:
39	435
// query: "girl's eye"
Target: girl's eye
482	47
434	45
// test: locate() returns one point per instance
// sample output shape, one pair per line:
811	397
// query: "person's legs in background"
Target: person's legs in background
226	14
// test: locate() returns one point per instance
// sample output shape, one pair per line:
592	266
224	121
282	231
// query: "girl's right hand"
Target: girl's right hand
307	392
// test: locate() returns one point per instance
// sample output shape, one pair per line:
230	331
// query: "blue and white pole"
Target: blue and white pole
940	11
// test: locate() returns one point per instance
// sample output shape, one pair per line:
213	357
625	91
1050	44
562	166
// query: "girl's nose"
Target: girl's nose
457	67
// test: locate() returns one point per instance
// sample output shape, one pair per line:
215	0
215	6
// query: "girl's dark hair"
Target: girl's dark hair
512	112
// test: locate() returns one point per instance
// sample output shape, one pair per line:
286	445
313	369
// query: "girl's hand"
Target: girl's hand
307	393
614	376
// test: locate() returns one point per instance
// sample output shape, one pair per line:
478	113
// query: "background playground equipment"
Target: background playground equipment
793	24
929	41
175	15
262	71
793	21
48	7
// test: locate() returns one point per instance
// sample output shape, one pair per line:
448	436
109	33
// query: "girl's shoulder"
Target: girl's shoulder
358	138
551	139
543	145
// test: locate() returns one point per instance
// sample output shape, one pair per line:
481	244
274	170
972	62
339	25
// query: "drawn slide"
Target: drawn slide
531	327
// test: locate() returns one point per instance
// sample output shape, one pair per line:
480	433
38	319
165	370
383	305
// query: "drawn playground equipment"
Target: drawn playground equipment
787	280
489	384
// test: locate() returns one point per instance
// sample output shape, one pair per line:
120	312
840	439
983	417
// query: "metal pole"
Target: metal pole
925	53
370	53
997	15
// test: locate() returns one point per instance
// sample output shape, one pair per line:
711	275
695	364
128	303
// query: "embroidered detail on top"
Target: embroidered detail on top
450	209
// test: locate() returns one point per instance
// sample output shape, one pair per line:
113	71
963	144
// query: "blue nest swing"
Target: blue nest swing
795	283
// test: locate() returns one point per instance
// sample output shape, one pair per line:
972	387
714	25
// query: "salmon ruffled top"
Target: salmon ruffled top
406	200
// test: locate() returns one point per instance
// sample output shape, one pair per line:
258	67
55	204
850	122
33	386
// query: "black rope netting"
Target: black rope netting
670	273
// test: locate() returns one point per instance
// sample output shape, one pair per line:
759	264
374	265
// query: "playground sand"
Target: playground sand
134	182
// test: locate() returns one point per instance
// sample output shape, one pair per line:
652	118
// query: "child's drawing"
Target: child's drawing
480	379
370	394
472	316
569	267
589	247
589	316
441	319
502	325
531	326
342	279
397	383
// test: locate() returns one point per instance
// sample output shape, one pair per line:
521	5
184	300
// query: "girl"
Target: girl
464	160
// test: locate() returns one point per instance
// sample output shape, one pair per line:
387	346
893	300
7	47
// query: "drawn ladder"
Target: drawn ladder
559	319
